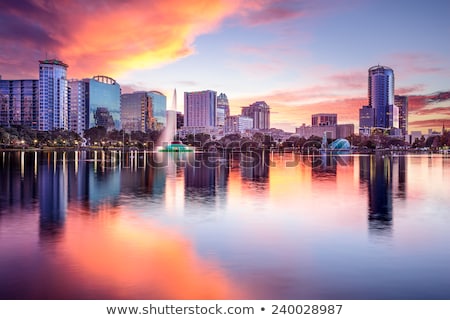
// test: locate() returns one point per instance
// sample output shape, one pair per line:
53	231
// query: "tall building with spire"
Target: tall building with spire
53	95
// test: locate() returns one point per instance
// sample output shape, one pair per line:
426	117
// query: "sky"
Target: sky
301	57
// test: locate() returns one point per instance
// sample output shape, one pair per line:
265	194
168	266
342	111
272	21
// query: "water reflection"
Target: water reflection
382	173
53	193
108	225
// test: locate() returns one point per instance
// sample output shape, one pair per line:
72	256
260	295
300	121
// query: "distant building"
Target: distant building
53	95
238	124
19	103
143	111
324	119
325	123
366	120
402	103
200	109
259	111
223	109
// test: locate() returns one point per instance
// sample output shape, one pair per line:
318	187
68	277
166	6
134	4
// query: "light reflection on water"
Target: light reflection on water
80	225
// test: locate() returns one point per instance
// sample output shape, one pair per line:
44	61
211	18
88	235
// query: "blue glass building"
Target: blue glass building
381	95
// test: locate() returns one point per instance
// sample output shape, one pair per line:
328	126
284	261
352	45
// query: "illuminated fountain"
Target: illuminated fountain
167	142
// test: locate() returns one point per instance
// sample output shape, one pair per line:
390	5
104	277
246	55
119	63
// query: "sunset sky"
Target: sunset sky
301	57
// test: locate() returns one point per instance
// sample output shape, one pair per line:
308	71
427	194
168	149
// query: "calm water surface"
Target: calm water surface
95	225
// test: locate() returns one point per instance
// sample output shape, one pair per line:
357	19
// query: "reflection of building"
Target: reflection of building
18	182
200	109
19	103
376	171
223	109
259	111
238	124
53	193
53	95
94	102
255	165
205	179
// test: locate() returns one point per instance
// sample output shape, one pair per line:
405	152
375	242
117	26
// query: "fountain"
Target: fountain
167	142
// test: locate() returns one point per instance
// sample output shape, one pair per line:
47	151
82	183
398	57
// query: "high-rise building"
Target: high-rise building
137	111
53	95
200	109
158	103
381	95
402	103
259	111
104	93
88	95
19	103
223	109
324	119
381	113
79	105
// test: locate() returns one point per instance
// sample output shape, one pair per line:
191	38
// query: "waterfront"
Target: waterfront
96	225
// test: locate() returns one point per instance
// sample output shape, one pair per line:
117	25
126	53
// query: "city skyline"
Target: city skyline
301	57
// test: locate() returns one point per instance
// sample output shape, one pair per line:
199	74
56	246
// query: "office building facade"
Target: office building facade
104	94
402	104
19	103
381	95
200	109
53	95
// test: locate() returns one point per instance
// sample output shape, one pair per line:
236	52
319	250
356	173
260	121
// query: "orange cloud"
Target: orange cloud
107	37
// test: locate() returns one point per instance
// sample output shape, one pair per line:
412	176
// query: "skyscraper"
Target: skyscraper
223	109
104	93
53	95
94	102
79	105
200	109
19	103
259	111
158	103
402	103
381	95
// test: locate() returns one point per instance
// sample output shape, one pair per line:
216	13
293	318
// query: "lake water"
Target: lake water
96	225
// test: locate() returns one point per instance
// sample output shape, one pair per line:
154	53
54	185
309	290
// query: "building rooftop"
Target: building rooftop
54	61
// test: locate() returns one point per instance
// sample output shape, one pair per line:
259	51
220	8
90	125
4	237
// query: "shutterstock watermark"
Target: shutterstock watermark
213	155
